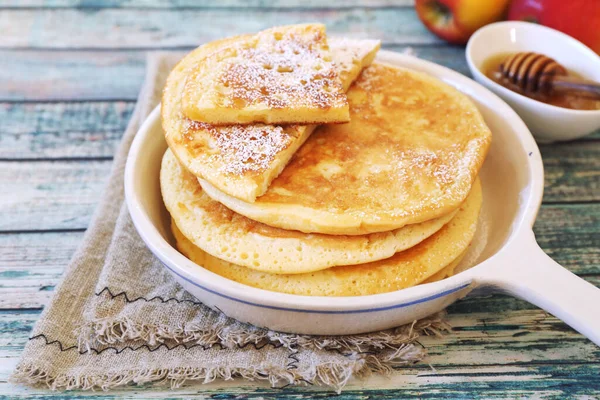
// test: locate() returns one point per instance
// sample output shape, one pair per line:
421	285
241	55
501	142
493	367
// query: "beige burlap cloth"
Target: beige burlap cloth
119	318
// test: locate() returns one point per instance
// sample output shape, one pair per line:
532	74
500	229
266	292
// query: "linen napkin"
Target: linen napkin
119	318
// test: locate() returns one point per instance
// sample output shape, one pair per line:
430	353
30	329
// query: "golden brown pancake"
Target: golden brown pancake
403	270
232	237
447	271
242	160
410	153
280	75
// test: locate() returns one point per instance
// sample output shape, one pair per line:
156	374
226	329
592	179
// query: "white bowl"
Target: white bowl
547	123
504	251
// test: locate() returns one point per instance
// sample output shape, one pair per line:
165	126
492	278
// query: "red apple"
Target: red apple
577	18
456	20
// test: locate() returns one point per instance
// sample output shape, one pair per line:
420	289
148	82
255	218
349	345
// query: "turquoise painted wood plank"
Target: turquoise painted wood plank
570	234
575	243
81	75
33	254
570	168
50	195
502	338
41	75
31	263
93	129
93	116
146	28
99	75
62	194
62	130
86	4
493	382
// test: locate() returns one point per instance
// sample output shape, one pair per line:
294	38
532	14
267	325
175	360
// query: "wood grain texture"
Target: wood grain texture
50	195
160	28
572	169
62	194
568	233
71	70
537	381
534	336
45	75
508	351
62	130
80	75
94	129
31	263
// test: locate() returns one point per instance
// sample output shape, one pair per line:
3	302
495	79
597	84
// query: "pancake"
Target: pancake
447	271
239	240
410	153
403	270
242	160
280	75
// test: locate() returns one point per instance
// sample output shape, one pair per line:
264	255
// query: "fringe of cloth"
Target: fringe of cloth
333	375
367	354
113	331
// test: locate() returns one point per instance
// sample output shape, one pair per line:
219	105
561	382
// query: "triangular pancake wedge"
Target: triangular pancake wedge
280	75
242	160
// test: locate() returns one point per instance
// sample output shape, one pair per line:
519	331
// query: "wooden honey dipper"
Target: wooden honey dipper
538	74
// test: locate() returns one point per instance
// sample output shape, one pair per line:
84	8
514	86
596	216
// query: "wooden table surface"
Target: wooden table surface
70	71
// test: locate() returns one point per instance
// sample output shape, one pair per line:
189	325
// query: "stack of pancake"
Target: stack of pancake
297	164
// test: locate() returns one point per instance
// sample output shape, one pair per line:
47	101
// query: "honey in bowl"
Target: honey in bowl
491	69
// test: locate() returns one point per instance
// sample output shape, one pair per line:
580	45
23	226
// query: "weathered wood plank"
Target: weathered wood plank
262	4
62	194
36	252
80	75
572	169
99	75
570	234
511	352
493	382
62	130
31	263
575	243
74	75
502	338
92	116
93	129
50	195
27	298
147	28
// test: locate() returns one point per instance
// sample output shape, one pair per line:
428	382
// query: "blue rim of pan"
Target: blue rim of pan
299	310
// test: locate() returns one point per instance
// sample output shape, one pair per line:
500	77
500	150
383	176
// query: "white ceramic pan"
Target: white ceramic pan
505	256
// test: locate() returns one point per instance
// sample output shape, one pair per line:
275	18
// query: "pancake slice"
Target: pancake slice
280	75
410	153
242	160
239	240
403	270
447	271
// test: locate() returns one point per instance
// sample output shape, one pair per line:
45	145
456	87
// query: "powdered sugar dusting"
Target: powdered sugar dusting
278	68
252	148
368	78
348	54
244	148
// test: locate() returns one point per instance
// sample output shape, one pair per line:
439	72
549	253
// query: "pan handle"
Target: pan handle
523	270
